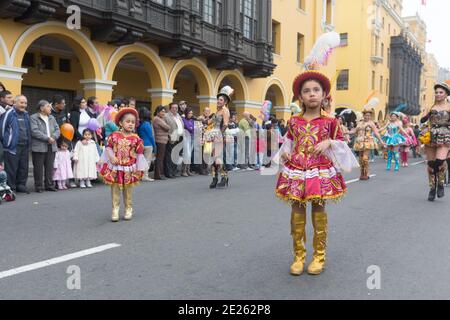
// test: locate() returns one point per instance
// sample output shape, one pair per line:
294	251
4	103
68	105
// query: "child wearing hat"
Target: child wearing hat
123	163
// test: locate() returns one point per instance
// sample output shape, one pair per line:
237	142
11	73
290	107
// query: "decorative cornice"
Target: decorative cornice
13	73
96	84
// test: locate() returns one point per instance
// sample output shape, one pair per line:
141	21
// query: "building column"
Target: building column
161	97
12	78
101	89
207	102
253	107
282	112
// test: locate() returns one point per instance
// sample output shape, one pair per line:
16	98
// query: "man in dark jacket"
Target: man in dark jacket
6	101
59	110
16	137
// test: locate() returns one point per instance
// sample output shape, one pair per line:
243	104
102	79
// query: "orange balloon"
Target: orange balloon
447	82
113	115
67	131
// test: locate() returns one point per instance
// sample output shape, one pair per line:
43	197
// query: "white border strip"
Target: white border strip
356	180
46	263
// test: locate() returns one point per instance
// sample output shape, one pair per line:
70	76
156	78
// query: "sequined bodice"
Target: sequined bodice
440	118
217	121
392	129
365	131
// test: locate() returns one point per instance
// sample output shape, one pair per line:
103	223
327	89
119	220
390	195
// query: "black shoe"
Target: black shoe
39	190
51	189
440	191
22	189
223	183
213	184
432	195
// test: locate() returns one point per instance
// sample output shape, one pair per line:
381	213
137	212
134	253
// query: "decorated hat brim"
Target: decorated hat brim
308	76
124	112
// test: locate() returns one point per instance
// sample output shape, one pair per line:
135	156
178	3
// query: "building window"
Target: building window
168	3
389	57
208	11
382	50
343	80
389	29
373	80
64	65
219	12
276	37
28	60
344	39
381	84
47	62
387	86
300	48
248	18
302	5
329	11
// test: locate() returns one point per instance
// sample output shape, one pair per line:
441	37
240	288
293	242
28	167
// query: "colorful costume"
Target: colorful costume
411	142
128	149
364	144
307	177
393	138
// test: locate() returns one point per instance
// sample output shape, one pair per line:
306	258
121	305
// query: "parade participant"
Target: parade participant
410	142
123	163
308	174
219	122
393	139
365	141
436	138
344	129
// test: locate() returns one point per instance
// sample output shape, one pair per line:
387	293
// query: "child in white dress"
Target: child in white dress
86	157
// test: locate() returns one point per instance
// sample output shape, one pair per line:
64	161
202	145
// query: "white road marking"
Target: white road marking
46	263
417	163
356	180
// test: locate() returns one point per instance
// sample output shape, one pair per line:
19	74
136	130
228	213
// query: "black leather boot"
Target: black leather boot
223	183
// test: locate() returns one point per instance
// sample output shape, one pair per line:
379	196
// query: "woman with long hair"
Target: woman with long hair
437	143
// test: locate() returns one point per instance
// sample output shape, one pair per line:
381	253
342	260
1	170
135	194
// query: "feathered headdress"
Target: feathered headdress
401	107
371	105
322	50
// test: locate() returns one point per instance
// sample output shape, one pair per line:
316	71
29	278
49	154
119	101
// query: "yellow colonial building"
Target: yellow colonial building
162	51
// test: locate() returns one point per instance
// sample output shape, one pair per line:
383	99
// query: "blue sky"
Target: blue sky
436	15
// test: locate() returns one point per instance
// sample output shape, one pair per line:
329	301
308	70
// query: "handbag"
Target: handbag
425	134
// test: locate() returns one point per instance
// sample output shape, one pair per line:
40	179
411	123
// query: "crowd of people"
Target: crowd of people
63	159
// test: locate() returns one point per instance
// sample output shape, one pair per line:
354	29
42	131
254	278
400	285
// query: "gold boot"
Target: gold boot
115	196
298	224
320	224
128	201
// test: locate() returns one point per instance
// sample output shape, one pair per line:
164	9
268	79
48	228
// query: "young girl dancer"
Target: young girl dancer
86	157
63	165
309	175
123	163
393	138
411	141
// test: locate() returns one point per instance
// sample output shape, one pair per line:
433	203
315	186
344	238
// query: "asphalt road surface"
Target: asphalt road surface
187	242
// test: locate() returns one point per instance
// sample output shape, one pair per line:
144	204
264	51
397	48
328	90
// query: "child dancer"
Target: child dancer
63	165
86	157
309	174
411	141
393	138
123	163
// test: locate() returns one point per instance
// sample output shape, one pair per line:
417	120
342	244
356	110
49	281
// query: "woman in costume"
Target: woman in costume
123	163
436	137
393	138
309	175
215	136
410	142
365	141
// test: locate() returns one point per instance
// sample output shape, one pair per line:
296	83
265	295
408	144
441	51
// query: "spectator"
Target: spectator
188	141
3	176
58	110
92	107
86	157
16	135
6	101
182	108
245	128
132	103
175	122
145	132
282	127
2	87
230	154
161	129
44	134
79	117
204	119
63	165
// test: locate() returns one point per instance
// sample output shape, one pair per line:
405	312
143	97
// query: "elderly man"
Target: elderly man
16	135
175	122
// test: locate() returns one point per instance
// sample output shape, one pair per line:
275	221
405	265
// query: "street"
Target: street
187	242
